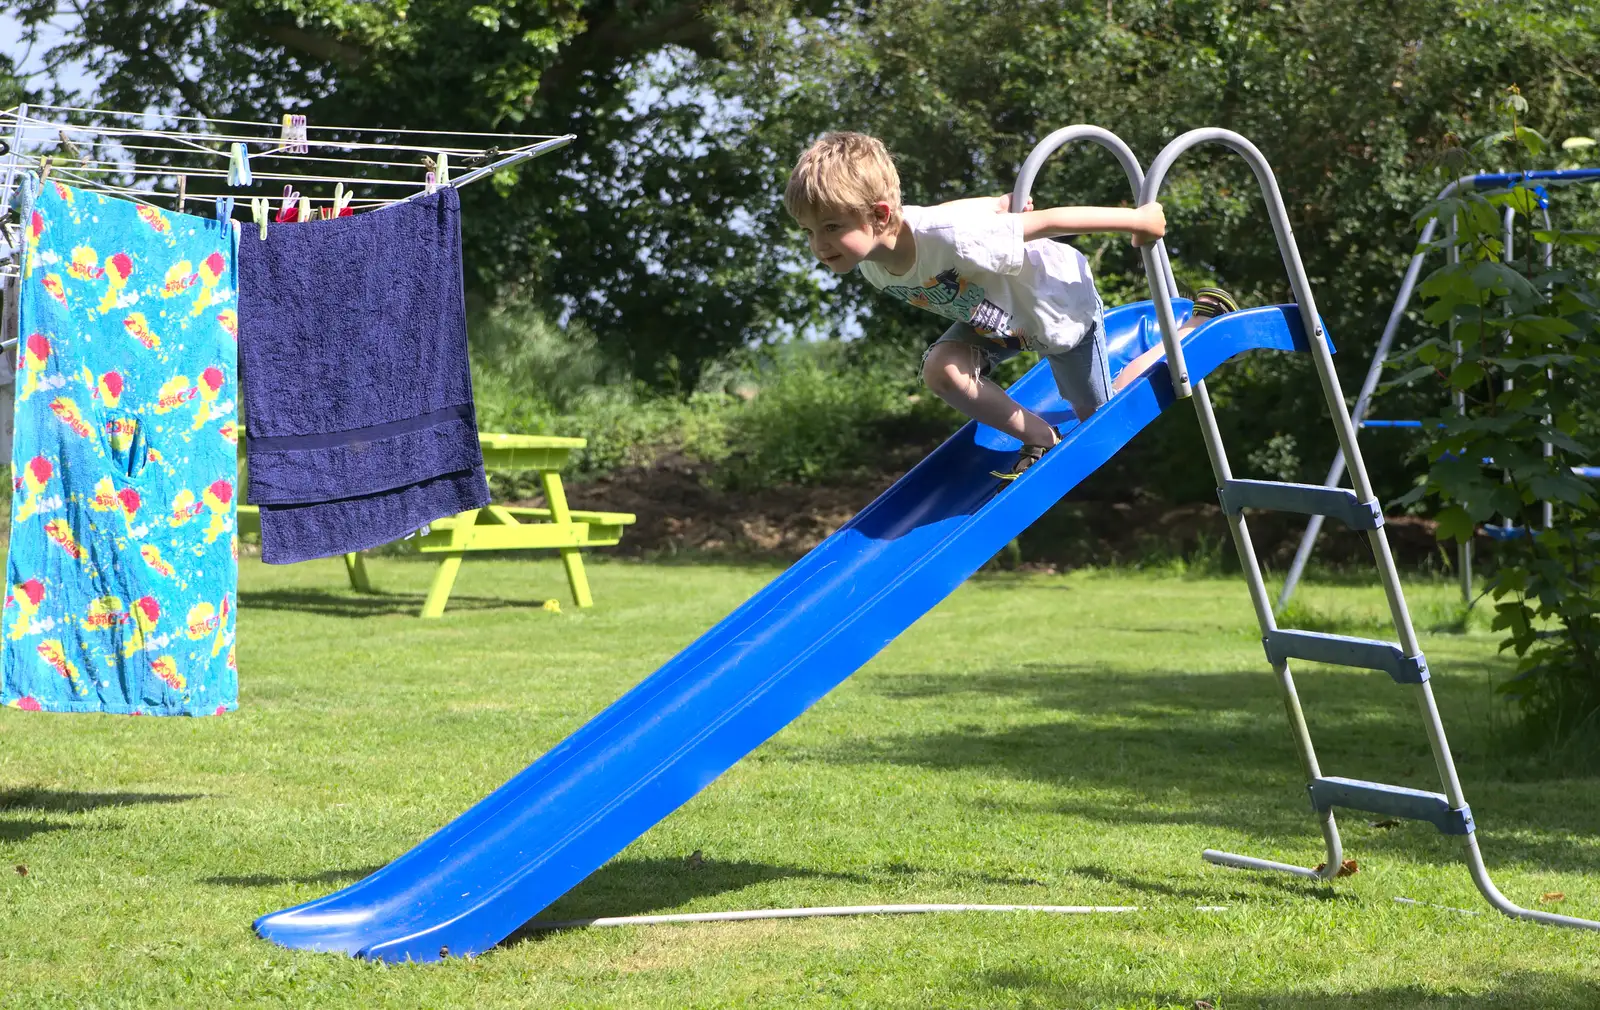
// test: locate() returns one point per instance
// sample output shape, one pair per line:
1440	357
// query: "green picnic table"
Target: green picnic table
499	527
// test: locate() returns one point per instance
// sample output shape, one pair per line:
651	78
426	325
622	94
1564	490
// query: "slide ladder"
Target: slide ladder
1357	508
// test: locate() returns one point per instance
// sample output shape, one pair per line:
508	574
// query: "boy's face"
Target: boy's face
841	239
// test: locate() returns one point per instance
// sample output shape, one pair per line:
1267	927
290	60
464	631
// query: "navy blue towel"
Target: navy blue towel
359	427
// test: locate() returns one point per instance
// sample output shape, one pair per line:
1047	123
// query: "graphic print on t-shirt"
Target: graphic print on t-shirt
957	298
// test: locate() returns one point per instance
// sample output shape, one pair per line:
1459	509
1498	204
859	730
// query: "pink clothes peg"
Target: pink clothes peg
288	211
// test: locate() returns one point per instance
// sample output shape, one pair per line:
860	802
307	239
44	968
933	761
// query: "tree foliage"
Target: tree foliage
1351	103
631	229
661	228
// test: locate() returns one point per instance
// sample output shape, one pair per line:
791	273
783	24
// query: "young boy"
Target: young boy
993	273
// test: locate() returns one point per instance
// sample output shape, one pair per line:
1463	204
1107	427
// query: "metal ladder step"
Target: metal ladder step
1366	653
1307	499
1391	801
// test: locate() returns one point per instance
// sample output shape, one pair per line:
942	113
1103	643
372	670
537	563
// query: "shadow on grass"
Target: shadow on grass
1512	989
1215	749
22	830
642	886
1433	618
899	869
57	801
267	880
349	603
1295	886
60	801
702	557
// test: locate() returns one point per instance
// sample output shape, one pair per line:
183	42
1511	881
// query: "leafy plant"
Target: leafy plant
1519	350
821	411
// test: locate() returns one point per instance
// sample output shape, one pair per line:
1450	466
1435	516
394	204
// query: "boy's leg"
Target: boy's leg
1135	368
1083	374
954	370
1208	304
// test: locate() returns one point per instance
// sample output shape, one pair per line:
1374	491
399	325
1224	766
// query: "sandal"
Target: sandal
1029	455
1212	302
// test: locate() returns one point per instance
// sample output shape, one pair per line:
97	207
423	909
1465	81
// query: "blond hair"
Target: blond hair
843	172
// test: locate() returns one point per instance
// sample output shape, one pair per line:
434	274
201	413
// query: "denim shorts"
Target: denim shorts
1083	374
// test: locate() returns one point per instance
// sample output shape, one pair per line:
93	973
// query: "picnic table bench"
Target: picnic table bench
499	527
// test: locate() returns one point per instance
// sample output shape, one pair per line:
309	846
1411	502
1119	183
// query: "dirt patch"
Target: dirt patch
680	512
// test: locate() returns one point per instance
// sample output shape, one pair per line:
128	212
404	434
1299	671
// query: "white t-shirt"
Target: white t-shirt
973	267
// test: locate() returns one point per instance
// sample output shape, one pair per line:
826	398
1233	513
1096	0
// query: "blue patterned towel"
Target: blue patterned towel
123	564
357	390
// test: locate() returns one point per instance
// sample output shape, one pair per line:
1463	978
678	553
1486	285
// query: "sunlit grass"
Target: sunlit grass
1037	739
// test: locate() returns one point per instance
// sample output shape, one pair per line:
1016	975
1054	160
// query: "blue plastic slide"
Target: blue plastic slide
479	878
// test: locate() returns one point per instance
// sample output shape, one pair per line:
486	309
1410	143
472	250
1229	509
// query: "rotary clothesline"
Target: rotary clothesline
147	157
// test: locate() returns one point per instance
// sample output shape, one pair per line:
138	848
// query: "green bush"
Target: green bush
798	413
805	413
533	377
1518	346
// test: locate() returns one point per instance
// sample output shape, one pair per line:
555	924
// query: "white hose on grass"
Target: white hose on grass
835	910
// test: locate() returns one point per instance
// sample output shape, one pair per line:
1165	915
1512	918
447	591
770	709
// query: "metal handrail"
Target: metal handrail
1106	139
1321	352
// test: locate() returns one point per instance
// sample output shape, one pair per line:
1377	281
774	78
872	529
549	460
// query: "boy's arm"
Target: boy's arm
995	204
1146	223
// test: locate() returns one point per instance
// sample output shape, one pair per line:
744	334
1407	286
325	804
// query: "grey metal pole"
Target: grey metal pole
1508	237
1369	386
1464	549
1217	454
1549	449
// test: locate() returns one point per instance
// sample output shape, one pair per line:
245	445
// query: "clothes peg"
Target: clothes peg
44	168
183	191
224	208
430	183
294	134
304	213
341	200
258	212
69	147
239	166
286	212
441	167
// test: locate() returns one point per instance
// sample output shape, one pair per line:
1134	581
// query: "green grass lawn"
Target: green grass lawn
1037	739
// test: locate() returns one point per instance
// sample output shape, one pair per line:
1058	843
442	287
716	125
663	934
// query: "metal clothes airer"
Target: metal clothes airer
309	170
174	161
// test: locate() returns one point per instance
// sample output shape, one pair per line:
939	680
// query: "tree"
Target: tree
632	229
662	227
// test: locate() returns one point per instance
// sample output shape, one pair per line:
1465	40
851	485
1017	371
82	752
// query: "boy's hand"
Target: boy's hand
1152	224
1003	204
